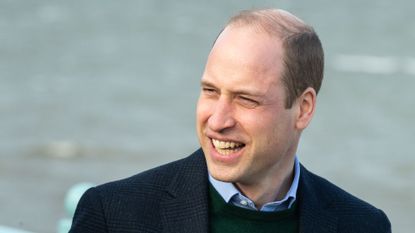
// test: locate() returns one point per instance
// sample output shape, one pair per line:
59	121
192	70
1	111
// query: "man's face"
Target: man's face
245	131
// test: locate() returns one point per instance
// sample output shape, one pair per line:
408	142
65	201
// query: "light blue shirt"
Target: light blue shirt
233	196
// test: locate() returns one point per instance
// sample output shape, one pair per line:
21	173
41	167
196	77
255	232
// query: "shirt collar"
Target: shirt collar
228	191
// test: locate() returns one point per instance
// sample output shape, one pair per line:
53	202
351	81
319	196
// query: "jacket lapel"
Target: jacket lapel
185	204
315	217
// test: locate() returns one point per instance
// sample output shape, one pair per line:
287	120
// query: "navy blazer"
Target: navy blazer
174	198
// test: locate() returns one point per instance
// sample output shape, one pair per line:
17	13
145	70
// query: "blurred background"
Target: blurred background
94	91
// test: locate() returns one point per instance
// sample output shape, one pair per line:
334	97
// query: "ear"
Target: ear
306	106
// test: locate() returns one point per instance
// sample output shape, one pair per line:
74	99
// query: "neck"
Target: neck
271	188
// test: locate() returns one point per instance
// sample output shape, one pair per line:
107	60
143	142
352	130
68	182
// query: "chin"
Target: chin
221	173
223	178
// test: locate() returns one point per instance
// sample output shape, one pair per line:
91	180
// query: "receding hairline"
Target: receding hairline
275	22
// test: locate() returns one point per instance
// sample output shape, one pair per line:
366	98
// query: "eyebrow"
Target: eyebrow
235	92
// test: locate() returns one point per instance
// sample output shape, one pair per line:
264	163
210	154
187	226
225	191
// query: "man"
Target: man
258	93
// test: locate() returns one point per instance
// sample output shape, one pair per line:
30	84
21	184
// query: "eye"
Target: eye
209	90
247	102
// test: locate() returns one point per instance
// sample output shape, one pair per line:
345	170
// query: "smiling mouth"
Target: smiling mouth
226	147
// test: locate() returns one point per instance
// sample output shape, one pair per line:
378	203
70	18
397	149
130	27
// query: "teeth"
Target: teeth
226	151
225	148
225	145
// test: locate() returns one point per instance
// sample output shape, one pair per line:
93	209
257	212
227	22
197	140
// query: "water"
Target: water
97	90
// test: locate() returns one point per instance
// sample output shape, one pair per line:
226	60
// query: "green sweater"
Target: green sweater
228	218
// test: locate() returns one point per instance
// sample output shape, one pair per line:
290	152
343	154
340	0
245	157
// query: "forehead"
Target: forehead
251	45
245	56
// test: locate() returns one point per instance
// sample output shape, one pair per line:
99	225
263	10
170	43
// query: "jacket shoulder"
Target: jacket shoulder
155	180
354	214
123	202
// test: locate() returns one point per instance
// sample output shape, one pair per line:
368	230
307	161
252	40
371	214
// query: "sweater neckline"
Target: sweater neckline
219	206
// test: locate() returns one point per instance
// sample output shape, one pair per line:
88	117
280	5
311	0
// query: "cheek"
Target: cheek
265	129
256	122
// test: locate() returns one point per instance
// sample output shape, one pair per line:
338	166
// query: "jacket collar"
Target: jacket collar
184	208
314	206
185	204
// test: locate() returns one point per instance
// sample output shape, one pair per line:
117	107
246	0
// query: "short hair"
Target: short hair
303	53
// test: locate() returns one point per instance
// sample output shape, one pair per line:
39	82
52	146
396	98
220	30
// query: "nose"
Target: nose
222	116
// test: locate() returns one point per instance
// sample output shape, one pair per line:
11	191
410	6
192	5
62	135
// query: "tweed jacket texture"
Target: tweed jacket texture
174	198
